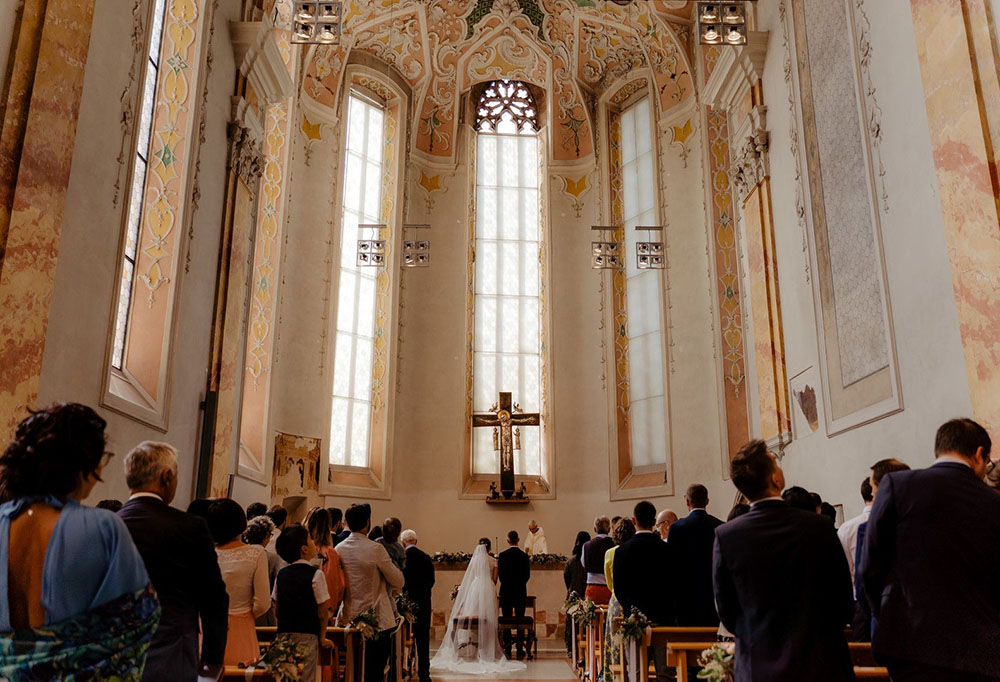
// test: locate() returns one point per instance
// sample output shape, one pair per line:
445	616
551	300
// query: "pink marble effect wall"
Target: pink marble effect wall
956	47
48	105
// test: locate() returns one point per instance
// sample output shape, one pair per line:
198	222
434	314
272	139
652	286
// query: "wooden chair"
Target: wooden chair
526	623
861	654
696	636
871	673
346	641
232	673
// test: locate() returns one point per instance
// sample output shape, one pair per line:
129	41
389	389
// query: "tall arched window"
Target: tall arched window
508	346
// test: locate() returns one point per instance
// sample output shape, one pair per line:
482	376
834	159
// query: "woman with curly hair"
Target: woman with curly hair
76	604
622	532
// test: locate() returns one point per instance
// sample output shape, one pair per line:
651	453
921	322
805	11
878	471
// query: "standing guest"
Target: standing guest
375	533
930	561
279	517
258	532
575	578
327	558
692	539
664	520
370	575
244	570
737	511
255	509
799	498
640	563
781	581
418	573
301	601
199	507
75	598
514	568
829	512
493	560
391	528
337	519
622	531
180	556
592	558
535	543
848	536
112	506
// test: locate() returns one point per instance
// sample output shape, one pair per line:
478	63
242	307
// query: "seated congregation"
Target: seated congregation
150	592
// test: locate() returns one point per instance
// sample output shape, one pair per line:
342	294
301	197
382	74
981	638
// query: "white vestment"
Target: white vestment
535	543
471	643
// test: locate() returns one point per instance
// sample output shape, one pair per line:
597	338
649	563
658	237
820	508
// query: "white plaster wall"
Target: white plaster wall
928	344
85	282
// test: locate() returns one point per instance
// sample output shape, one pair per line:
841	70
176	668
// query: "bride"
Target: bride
471	644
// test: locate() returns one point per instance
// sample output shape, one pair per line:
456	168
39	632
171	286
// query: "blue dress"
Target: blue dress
90	561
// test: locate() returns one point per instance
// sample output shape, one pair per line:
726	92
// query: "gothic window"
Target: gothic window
508	348
354	345
140	165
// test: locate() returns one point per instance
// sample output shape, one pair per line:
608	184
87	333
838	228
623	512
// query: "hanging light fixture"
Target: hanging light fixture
416	252
649	254
722	23
371	252
606	253
316	23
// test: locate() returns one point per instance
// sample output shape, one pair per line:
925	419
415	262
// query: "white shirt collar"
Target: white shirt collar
766	499
643	531
134	496
954	459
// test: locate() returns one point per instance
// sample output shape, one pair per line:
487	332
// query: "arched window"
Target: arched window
508	351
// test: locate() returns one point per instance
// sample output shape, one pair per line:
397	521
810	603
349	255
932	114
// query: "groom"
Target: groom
514	570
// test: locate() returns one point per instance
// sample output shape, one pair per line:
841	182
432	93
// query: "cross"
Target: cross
506	417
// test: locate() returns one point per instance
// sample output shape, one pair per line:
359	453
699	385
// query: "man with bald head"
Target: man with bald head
664	520
692	539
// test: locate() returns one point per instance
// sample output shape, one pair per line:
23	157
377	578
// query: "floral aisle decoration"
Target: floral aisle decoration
451	558
366	622
284	660
539	560
718	663
634	632
406	608
583	611
454	592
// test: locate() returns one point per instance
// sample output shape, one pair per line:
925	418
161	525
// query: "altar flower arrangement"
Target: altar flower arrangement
547	559
367	623
284	660
449	558
634	626
583	611
406	608
454	592
718	662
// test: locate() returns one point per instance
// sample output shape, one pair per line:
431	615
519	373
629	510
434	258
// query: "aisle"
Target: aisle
547	667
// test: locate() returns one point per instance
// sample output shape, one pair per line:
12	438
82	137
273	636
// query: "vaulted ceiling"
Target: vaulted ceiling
576	50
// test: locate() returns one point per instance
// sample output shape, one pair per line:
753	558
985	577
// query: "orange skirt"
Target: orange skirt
241	643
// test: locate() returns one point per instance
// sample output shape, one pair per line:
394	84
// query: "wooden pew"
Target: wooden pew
595	644
861	654
666	636
232	673
871	673
348	640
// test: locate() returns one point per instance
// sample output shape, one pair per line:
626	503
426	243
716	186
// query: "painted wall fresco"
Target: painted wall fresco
573	48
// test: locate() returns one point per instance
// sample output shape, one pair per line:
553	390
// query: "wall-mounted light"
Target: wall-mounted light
722	23
371	252
649	254
416	252
606	254
316	23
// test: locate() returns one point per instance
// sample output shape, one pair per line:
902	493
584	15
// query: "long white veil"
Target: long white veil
470	645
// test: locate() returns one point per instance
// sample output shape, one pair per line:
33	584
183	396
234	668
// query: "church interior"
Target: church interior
487	262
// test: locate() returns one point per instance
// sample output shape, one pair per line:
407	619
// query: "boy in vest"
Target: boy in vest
300	596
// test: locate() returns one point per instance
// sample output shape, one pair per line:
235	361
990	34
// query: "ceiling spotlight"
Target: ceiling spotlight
371	252
416	252
736	36
606	253
316	23
649	255
722	22
734	14
708	14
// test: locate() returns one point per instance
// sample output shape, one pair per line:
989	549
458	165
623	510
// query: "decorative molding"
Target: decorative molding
750	161
429	184
793	140
574	190
256	50
872	110
245	157
680	134
125	151
736	69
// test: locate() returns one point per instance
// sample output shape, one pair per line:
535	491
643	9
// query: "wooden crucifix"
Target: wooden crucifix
506	418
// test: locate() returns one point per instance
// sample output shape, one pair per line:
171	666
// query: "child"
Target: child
300	596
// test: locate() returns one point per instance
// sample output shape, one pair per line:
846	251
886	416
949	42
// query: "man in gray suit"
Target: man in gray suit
370	575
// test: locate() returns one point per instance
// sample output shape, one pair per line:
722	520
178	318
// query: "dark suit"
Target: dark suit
180	558
691	541
929	564
418	572
783	588
513	570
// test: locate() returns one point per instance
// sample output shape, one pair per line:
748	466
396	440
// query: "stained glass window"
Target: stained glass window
126	285
644	294
507	353
350	423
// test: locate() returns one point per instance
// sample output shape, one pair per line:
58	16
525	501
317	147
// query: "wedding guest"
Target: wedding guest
737	511
244	570
375	533
279	517
77	600
592	558
575	578
337	519
514	569
493	560
829	512
535	543
327	558
258	532
370	574
112	506
664	520
930	561
301	601
622	531
692	539
180	557
640	563
799	498
391	528
848	536
199	507
419	579
781	581
255	509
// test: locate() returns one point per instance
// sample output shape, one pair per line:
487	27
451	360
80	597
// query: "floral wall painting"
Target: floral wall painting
806	403
575	49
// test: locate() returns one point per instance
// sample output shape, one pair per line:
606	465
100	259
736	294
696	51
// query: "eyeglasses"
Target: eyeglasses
106	458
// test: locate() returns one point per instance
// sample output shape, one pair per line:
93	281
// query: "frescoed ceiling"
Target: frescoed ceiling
574	49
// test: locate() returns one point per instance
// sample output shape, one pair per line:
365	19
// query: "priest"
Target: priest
535	542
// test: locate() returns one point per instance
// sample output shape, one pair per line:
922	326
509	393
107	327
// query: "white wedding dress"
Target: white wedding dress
471	645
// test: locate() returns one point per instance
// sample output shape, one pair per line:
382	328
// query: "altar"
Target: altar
546	584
